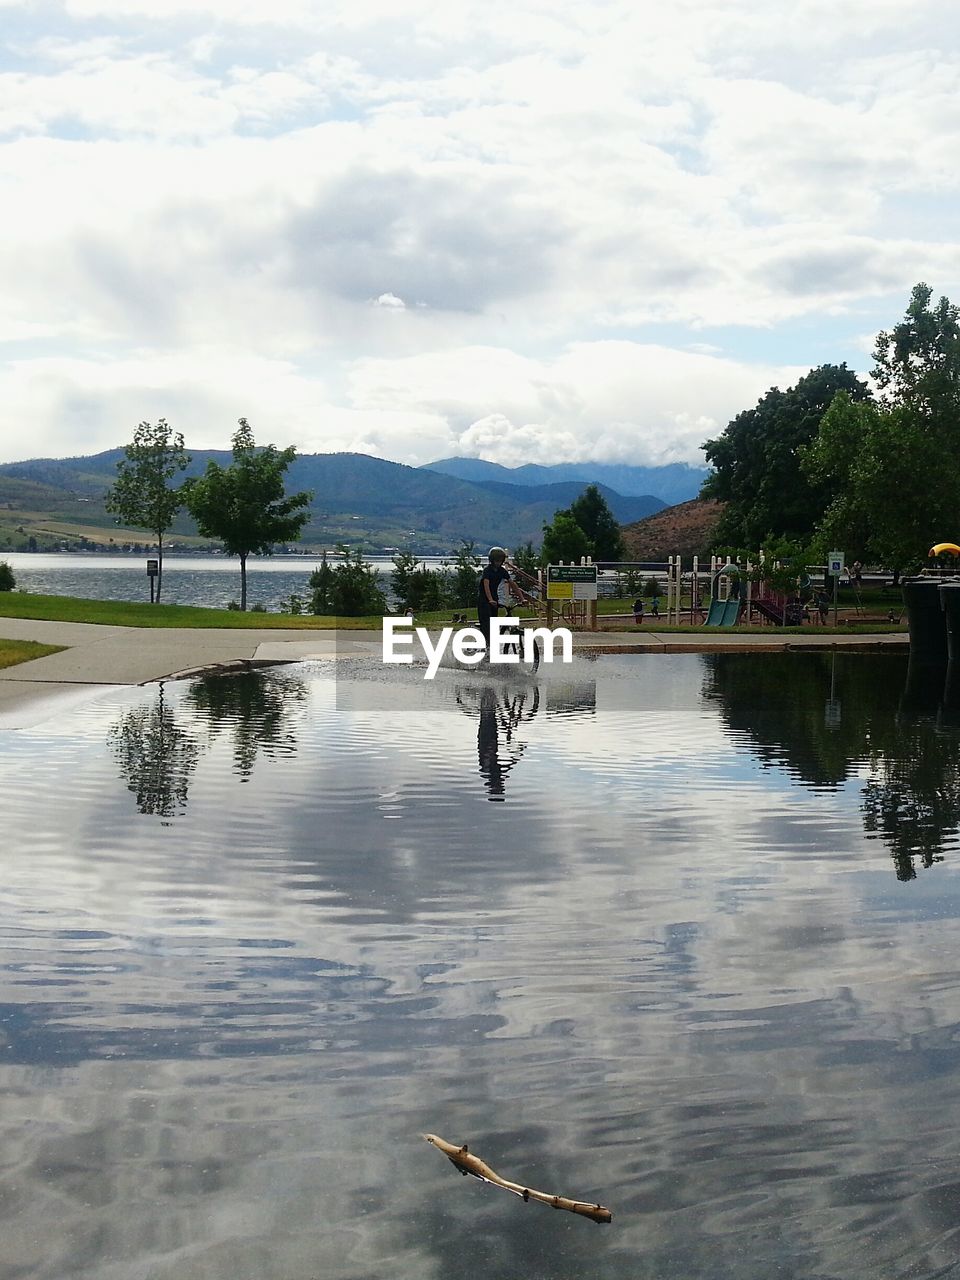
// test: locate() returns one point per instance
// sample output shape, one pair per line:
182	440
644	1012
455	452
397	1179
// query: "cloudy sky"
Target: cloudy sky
537	230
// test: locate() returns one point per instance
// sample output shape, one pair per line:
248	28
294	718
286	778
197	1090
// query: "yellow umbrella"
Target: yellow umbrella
944	546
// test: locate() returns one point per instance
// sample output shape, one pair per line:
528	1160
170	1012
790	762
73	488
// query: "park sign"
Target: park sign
835	563
571	582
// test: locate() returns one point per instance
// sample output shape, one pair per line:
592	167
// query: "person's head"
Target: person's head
497	555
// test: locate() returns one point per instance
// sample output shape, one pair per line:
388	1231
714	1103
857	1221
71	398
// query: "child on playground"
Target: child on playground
638	610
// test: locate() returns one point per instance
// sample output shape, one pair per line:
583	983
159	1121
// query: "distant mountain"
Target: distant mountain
564	492
356	499
676	482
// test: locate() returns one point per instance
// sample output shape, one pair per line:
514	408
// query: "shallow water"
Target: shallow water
674	933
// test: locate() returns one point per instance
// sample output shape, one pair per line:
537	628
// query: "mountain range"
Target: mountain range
357	499
675	482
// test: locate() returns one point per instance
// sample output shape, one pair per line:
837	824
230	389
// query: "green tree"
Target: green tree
464	575
598	522
142	495
7	579
245	505
527	558
351	589
756	461
892	470
563	540
404	565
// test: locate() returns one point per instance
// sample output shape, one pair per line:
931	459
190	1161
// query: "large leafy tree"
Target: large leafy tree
564	540
598	522
756	461
245	505
586	528
892	470
142	495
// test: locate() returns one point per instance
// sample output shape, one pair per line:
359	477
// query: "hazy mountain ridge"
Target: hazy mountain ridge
673	483
355	498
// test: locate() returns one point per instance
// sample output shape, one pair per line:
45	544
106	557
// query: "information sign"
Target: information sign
153	568
571	582
835	563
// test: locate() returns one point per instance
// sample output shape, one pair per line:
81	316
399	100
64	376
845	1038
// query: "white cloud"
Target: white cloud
370	195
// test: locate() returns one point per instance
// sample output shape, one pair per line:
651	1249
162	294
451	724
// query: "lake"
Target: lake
678	934
206	581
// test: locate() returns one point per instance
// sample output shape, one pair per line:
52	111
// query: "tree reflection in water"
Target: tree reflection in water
256	706
156	756
824	717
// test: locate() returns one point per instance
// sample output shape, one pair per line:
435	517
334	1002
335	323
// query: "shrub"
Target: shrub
7	580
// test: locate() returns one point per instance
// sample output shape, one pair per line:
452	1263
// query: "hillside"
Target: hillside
686	530
356	499
676	482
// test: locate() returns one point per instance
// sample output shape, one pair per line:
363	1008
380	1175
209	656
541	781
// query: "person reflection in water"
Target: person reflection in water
500	715
488	746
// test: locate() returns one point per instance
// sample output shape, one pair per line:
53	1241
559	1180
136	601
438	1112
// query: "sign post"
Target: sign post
835	568
573	582
153	568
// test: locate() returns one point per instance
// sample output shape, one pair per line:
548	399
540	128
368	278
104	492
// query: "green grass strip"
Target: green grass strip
120	613
14	651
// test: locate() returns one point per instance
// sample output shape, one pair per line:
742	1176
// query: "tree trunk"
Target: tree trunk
243	582
159	567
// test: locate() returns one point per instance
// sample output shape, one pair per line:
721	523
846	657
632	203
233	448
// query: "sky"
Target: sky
536	231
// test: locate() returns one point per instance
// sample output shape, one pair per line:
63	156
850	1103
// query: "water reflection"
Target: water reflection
156	755
670	971
259	708
157	745
907	746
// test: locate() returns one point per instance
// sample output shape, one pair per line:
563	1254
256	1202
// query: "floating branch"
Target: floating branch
468	1163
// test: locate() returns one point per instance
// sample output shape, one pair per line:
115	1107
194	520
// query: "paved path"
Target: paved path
104	657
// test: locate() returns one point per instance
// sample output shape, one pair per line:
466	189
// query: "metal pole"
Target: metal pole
836	582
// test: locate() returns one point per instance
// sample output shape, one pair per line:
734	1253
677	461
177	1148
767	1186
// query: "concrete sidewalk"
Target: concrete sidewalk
104	657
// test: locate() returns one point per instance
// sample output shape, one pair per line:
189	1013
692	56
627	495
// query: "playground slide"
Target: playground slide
731	612
772	611
723	613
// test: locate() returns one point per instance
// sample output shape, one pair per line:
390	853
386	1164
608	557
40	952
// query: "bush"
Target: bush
350	590
259	607
652	588
7	580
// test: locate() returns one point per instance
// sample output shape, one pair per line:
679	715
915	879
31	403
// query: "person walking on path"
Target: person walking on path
638	610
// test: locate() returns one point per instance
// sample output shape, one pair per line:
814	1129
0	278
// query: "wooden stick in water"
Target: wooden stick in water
468	1163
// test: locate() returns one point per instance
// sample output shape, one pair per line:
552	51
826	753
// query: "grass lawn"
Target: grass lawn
119	613
14	651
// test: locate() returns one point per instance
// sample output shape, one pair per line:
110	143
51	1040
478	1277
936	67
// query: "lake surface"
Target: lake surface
679	934
206	581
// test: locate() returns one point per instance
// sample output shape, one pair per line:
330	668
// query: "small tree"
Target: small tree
527	558
142	496
404	565
464	577
7	580
245	505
